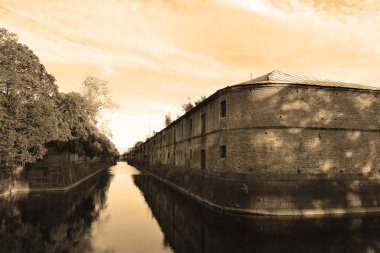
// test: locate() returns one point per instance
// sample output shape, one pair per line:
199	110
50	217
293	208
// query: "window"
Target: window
203	159
191	125
223	109
203	122
191	154
223	151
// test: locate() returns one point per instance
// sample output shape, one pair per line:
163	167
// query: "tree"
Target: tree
138	143
97	92
29	116
187	106
200	100
79	117
77	114
34	116
168	119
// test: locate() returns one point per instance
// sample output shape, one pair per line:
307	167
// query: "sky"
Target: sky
159	54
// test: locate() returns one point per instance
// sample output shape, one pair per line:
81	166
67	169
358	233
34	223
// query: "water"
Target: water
123	210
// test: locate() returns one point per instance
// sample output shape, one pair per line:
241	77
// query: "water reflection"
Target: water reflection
106	213
121	210
54	222
190	227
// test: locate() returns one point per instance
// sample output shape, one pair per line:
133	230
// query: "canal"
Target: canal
124	210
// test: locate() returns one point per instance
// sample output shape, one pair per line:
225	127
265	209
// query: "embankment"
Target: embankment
189	227
271	194
55	172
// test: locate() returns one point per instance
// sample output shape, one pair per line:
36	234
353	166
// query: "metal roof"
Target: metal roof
279	77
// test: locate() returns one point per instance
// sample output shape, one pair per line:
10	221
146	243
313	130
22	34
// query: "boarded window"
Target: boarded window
223	151
223	109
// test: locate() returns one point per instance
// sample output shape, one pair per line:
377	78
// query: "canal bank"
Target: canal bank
53	221
191	227
298	195
55	172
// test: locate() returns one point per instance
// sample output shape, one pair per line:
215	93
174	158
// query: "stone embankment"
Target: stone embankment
55	172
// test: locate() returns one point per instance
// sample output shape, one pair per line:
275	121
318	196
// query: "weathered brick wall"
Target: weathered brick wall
304	107
304	151
200	229
276	129
303	130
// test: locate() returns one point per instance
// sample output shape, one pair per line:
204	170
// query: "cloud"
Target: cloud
257	7
107	70
166	51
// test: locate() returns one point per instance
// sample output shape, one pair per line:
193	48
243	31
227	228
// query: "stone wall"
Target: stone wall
275	194
51	222
190	227
55	172
61	170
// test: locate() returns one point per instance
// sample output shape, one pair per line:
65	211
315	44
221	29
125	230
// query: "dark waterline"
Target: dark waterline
123	210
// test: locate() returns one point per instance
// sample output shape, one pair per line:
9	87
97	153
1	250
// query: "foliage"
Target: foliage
33	113
187	106
79	114
76	116
96	91
28	94
168	119
199	100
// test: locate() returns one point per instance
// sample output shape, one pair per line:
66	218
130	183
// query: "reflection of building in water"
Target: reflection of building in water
277	144
53	222
190	227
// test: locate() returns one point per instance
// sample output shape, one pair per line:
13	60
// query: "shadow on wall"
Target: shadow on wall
55	222
190	227
292	149
311	130
321	147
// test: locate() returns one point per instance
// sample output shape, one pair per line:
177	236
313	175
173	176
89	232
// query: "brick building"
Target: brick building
277	127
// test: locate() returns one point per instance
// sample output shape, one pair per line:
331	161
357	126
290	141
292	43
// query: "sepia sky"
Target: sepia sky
158	53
